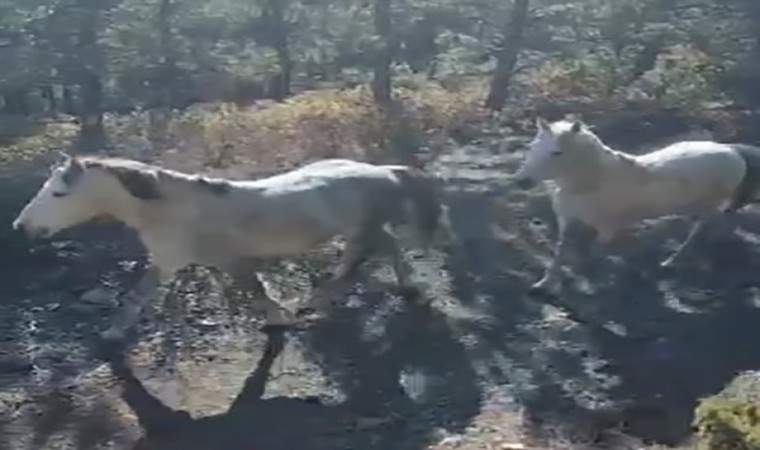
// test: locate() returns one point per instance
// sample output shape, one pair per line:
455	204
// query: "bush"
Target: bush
731	419
590	78
689	78
320	124
45	138
728	424
683	77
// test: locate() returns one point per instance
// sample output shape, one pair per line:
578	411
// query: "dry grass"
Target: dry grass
319	124
268	135
24	142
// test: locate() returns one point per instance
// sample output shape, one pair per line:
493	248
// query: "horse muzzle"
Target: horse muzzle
31	232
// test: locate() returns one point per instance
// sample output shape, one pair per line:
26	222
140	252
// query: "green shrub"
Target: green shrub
689	78
46	138
589	78
321	124
730	420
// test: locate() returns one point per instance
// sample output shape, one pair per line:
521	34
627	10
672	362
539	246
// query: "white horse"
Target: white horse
233	226
609	190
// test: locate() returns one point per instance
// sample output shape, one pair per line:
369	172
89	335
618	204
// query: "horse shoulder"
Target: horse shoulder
167	247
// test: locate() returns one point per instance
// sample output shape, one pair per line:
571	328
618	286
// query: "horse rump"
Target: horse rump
748	190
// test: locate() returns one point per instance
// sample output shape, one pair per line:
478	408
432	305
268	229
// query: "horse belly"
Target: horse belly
694	182
613	210
668	198
289	239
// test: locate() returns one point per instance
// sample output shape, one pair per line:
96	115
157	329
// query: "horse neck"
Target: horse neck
587	174
620	165
125	210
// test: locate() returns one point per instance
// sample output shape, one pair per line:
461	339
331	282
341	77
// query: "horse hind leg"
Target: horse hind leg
358	249
696	230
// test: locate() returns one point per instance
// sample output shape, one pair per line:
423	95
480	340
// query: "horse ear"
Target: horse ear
543	124
73	170
576	127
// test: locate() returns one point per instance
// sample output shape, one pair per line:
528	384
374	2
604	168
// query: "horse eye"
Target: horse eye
557	153
60	194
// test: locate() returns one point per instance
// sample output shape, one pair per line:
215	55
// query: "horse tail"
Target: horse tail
421	189
749	188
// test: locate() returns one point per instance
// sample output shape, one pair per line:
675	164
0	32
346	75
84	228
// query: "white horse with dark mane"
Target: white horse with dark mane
233	226
609	190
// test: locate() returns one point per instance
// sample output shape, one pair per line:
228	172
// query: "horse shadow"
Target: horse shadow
688	333
397	359
251	421
282	422
625	346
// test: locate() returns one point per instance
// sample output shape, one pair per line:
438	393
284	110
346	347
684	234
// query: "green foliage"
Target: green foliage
690	79
171	54
731	418
728	424
586	78
28	141
320	124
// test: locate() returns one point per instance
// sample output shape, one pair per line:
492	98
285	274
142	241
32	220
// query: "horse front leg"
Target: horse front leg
401	268
132	303
248	292
550	282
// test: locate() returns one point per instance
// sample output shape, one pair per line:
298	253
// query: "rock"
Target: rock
97	295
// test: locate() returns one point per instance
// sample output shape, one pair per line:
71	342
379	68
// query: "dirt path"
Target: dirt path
625	347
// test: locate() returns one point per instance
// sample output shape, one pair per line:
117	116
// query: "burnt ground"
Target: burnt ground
626	347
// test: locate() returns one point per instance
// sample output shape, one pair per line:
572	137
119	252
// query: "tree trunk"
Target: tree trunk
167	67
166	96
381	80
16	102
48	94
67	98
92	133
506	57
276	14
646	59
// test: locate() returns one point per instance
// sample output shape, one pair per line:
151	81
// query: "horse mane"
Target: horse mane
576	135
144	181
565	128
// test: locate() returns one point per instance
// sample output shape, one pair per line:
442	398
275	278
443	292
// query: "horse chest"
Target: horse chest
169	250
